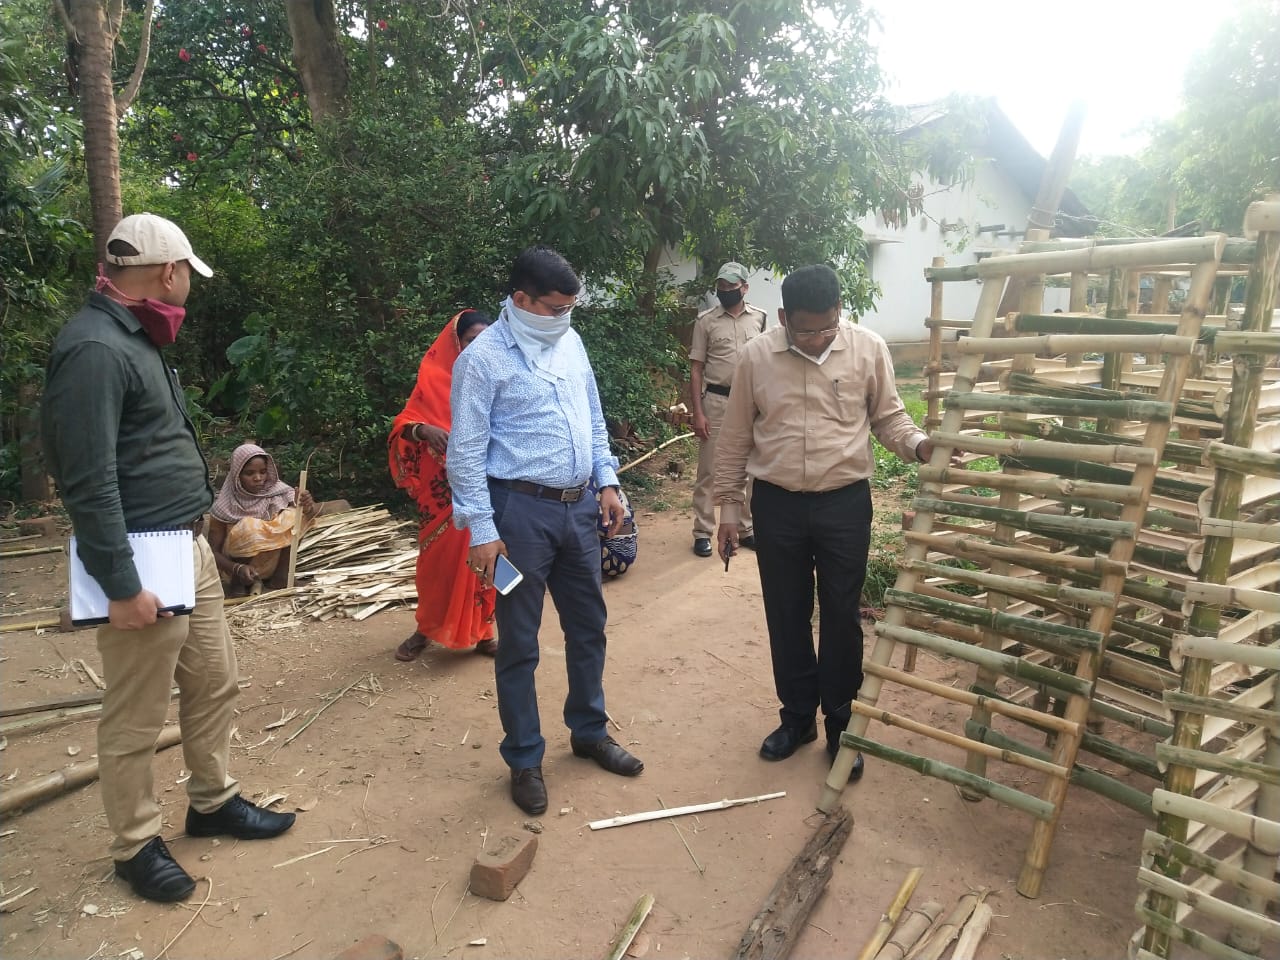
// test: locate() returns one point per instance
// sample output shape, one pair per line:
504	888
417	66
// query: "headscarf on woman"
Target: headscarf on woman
234	502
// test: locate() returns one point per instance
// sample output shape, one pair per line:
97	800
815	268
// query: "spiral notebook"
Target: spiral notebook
165	565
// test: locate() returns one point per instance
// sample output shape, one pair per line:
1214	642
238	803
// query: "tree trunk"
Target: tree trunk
93	41
313	24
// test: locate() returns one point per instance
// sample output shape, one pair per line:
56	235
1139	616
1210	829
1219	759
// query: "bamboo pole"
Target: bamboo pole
1211	648
1027	629
1152	253
1227	709
1257	831
1042	523
1169	929
618	949
30	551
51	785
929	767
1090	453
1249	341
1009	585
1217	595
1217	763
910	932
1059	564
934	367
972	698
662	446
890	916
1080	774
297	529
1061	406
1053	344
974	931
1239	529
1210	906
1236	458
625	819
1054	487
935	944
1154	845
955	740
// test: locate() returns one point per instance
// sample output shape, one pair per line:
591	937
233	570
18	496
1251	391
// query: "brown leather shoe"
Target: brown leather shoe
528	790
609	755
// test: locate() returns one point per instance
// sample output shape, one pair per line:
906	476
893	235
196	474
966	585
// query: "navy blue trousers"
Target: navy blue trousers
556	546
800	536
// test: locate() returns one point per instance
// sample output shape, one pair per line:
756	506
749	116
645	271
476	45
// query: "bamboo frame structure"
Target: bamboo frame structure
1072	526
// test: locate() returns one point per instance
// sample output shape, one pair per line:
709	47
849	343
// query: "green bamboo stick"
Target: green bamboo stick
1216	763
1238	459
1028	629
1063	323
1103	708
946	772
1100	746
1167	848
1214	707
1175	488
1081	774
1062	406
1030	588
1192	938
1001	663
1044	523
999	446
1249	341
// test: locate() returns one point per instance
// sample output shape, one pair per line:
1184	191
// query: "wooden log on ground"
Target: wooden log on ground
890	916
35	719
76	775
773	932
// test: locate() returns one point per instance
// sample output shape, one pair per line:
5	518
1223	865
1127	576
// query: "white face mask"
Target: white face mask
537	337
547	330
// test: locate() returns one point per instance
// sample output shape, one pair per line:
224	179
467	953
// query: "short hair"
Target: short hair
539	270
813	289
119	248
470	318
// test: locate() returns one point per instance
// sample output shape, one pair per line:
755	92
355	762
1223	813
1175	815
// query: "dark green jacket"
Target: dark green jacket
118	440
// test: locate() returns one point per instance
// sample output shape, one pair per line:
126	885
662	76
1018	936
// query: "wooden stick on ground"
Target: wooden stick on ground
61	781
911	931
889	918
297	527
327	704
629	930
775	929
625	467
627	818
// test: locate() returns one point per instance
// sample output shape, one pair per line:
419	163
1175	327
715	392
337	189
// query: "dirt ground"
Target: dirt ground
401	785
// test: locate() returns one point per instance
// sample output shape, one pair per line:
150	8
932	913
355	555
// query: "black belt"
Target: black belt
716	388
566	495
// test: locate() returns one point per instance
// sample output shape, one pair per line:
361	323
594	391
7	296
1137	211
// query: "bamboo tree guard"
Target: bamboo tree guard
1014	524
1165	900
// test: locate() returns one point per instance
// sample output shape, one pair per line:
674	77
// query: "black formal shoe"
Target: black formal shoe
786	740
702	546
856	773
609	755
240	819
155	875
528	790
749	541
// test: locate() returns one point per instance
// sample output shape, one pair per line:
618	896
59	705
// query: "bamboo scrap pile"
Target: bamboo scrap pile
1063	558
350	564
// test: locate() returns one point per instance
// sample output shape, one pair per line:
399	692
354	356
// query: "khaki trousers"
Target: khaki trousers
139	666
704	508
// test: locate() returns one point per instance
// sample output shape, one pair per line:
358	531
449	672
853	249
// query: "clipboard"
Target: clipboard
165	564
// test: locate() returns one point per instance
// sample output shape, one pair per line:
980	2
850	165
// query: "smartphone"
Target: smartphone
505	575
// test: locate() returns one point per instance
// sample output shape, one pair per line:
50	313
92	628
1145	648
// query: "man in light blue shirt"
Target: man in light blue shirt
528	435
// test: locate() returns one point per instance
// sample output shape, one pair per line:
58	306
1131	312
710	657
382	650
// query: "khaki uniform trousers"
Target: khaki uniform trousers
704	508
139	667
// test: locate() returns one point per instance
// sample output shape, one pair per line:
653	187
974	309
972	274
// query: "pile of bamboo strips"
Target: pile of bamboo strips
350	564
1067	574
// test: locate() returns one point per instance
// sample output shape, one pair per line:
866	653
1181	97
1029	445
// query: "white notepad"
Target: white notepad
166	567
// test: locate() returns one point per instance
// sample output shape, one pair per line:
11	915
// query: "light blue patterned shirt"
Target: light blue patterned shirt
512	424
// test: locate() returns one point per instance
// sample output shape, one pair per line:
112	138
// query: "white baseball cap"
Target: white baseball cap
157	240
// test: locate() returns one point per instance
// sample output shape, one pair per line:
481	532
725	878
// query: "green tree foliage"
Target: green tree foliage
1220	152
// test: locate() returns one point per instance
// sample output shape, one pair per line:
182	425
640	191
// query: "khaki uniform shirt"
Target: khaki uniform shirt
807	427
718	339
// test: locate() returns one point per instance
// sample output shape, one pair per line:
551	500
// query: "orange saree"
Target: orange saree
454	609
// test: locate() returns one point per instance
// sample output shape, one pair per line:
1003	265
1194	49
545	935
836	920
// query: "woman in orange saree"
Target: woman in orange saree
454	608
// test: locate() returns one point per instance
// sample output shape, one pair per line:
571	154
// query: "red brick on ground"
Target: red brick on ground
498	869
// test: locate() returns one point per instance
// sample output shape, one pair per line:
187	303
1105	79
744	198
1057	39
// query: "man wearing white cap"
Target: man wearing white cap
119	443
718	337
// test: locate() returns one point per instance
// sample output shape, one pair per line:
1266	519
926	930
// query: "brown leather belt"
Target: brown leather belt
566	495
716	388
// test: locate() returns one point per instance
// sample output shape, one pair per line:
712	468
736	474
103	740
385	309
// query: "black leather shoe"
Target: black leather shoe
609	755
155	875
240	819
702	546
749	541
529	791
856	773
786	740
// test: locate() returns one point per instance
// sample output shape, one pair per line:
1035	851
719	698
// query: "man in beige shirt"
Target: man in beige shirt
806	398
718	338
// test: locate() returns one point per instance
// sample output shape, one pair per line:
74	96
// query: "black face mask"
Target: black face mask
729	298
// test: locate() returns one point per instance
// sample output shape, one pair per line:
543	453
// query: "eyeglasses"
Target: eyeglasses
814	334
558	309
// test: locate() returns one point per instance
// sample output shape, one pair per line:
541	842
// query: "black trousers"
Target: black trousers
800	536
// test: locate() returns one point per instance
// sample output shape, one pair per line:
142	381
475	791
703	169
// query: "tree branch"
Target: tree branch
60	8
130	92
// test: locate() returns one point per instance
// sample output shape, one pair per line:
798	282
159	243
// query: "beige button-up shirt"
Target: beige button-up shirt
718	339
807	427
